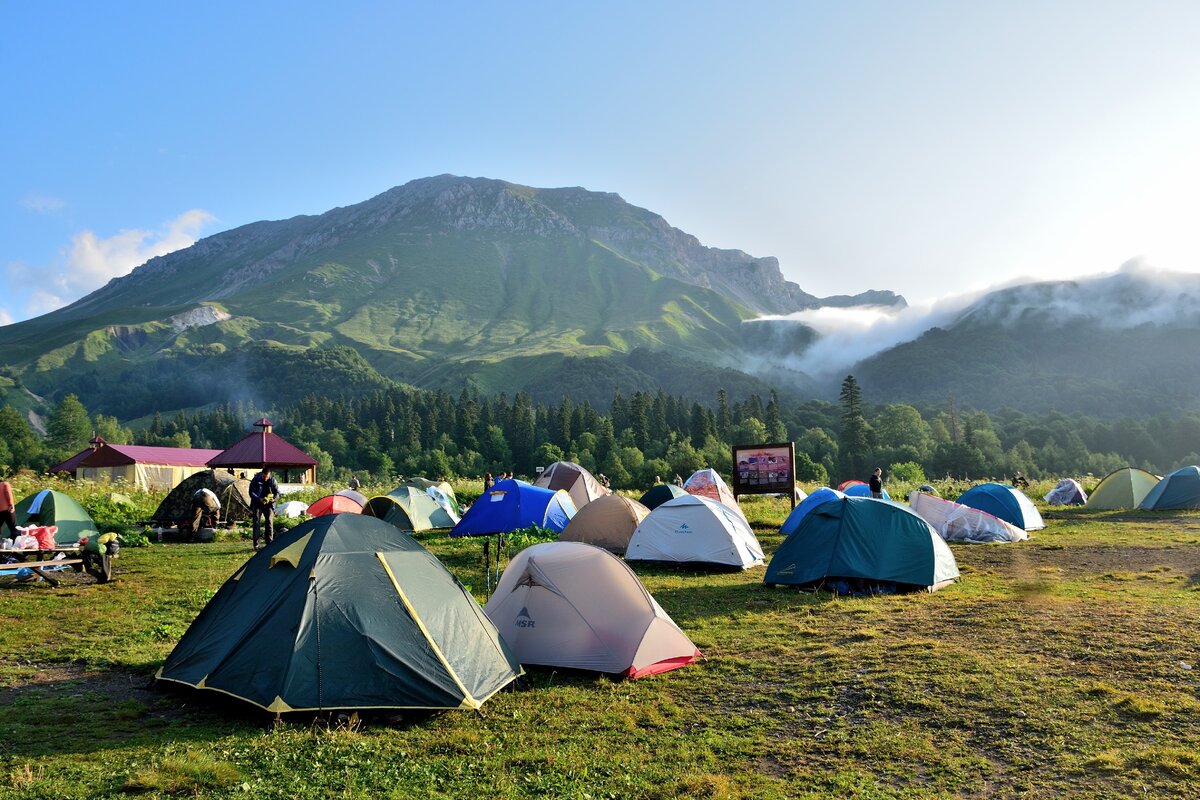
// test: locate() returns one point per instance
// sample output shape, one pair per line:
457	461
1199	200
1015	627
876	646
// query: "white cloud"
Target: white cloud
39	302
5	318
42	203
91	261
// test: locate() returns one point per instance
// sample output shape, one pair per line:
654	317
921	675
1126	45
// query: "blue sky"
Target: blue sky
930	148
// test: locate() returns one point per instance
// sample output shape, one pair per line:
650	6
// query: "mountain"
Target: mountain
441	282
1122	344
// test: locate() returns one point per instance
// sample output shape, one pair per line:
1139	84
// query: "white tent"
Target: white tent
959	523
292	509
695	530
569	604
1066	492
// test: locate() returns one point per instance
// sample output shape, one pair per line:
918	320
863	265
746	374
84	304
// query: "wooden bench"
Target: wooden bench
38	568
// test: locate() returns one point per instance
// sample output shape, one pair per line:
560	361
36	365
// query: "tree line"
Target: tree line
647	435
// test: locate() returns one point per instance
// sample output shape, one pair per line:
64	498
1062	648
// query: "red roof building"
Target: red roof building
140	466
265	448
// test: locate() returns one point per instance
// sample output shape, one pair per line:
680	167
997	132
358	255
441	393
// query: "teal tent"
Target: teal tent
661	493
344	612
1180	489
860	539
49	507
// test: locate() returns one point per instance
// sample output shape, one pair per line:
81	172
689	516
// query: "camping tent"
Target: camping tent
955	522
607	522
511	504
1180	489
695	530
409	509
660	493
707	483
860	539
234	494
820	495
1122	488
49	507
574	480
844	485
292	509
334	504
441	491
1005	502
344	611
860	489
568	604
1066	492
357	497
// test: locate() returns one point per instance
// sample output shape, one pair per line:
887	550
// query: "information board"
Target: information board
765	469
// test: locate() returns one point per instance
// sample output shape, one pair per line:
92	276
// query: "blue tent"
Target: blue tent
1005	502
1180	489
863	490
860	539
512	504
819	496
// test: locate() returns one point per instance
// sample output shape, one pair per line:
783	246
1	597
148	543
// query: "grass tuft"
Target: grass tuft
191	773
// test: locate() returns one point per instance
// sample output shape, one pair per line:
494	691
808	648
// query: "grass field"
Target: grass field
1064	666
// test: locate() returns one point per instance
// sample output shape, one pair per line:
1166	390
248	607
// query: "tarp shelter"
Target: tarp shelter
441	491
955	522
707	483
660	493
571	605
512	504
234	494
860	539
344	612
48	507
139	466
265	448
1006	502
409	509
1123	488
335	504
574	480
698	531
1180	489
292	509
606	522
863	490
1066	492
820	495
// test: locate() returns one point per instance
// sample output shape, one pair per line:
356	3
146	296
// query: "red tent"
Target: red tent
334	504
846	484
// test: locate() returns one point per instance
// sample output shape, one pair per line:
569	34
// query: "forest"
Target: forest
405	431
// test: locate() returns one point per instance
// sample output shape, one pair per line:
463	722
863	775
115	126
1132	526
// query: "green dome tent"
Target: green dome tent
409	509
438	488
49	507
1123	488
344	612
860	538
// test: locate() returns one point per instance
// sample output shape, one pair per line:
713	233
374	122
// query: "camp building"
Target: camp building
140	466
265	448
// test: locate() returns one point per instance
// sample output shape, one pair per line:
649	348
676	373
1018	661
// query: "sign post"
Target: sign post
765	469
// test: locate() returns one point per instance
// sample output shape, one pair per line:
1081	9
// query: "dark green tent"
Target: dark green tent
865	539
343	612
661	493
234	494
409	509
49	507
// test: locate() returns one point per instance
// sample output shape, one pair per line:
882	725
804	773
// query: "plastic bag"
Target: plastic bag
44	535
25	542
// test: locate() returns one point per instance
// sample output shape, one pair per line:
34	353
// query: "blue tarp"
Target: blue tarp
510	505
1180	489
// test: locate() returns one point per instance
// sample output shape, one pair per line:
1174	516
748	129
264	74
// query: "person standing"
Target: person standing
354	483
8	514
487	482
263	492
876	484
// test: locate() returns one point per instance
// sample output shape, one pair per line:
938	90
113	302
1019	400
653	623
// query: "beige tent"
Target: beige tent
607	522
568	604
574	480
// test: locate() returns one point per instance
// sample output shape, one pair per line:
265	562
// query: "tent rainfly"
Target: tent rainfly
958	523
1066	492
695	530
409	509
335	504
344	612
607	522
510	505
659	494
1180	489
49	507
820	495
574	480
1123	488
572	605
1006	502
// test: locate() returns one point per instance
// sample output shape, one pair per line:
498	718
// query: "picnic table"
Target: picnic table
98	565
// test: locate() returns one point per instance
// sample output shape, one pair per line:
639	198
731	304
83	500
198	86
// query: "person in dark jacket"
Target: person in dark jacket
876	484
263	493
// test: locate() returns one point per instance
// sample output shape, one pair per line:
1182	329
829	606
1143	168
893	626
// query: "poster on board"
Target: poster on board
764	469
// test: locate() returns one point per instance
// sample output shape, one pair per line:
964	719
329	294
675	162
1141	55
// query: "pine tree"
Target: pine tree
854	439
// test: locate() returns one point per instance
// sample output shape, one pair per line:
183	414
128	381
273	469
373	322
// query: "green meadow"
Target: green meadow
1065	666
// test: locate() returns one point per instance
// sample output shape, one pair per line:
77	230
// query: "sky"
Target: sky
930	148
